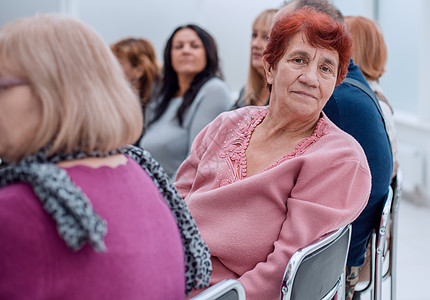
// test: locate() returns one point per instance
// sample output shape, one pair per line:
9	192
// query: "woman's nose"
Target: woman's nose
257	42
186	48
309	77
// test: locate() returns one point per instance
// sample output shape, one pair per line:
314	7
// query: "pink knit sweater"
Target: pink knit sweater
253	225
144	258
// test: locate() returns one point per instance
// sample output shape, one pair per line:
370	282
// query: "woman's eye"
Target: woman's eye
178	46
326	69
298	60
254	35
266	37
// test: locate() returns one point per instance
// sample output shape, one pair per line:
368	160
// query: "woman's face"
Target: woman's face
304	78
20	115
188	53
259	40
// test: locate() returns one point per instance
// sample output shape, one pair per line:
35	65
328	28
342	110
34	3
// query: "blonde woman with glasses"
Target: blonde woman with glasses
83	215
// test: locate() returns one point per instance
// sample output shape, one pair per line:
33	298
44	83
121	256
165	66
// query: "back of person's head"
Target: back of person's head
169	81
324	6
140	53
369	50
86	102
320	31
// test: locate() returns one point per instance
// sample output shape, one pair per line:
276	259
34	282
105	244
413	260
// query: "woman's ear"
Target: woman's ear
268	70
139	70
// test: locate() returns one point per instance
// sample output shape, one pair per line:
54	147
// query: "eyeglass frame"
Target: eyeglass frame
7	82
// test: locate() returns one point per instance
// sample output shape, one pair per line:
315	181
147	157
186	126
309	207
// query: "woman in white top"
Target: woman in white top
191	94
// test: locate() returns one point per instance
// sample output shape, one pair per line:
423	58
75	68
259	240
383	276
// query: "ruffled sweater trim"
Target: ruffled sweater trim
233	149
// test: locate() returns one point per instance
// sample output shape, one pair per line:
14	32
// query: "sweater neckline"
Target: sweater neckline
233	149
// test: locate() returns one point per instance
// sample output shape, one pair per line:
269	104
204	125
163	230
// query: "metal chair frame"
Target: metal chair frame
317	250
228	289
390	216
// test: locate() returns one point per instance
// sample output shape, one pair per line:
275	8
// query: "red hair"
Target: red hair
320	31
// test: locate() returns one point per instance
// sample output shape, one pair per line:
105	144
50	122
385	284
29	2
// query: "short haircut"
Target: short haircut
140	52
320	30
369	50
87	103
324	6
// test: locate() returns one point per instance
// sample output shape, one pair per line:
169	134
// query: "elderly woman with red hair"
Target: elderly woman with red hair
261	182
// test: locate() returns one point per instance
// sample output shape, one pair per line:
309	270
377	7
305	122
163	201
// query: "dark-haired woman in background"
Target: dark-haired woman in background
191	94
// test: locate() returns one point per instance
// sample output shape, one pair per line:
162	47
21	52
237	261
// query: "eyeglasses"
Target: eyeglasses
7	82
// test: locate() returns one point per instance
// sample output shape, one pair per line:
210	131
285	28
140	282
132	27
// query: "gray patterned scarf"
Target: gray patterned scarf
77	223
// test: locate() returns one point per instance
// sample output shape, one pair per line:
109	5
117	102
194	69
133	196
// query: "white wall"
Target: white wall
12	9
407	85
228	21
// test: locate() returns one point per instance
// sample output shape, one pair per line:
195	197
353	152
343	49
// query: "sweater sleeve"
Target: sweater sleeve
215	99
187	172
320	202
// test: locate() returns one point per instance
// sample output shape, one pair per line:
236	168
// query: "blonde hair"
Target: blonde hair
140	52
256	82
87	104
369	50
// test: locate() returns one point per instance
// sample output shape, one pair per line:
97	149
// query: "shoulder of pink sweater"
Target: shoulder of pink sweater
241	113
15	191
18	203
225	121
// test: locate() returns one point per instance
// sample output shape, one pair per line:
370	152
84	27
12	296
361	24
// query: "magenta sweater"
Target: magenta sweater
144	258
253	225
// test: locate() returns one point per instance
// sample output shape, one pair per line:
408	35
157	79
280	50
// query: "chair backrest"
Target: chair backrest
228	289
315	271
381	237
396	185
379	246
382	249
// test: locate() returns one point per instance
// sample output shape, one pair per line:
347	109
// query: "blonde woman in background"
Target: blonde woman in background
369	52
255	91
